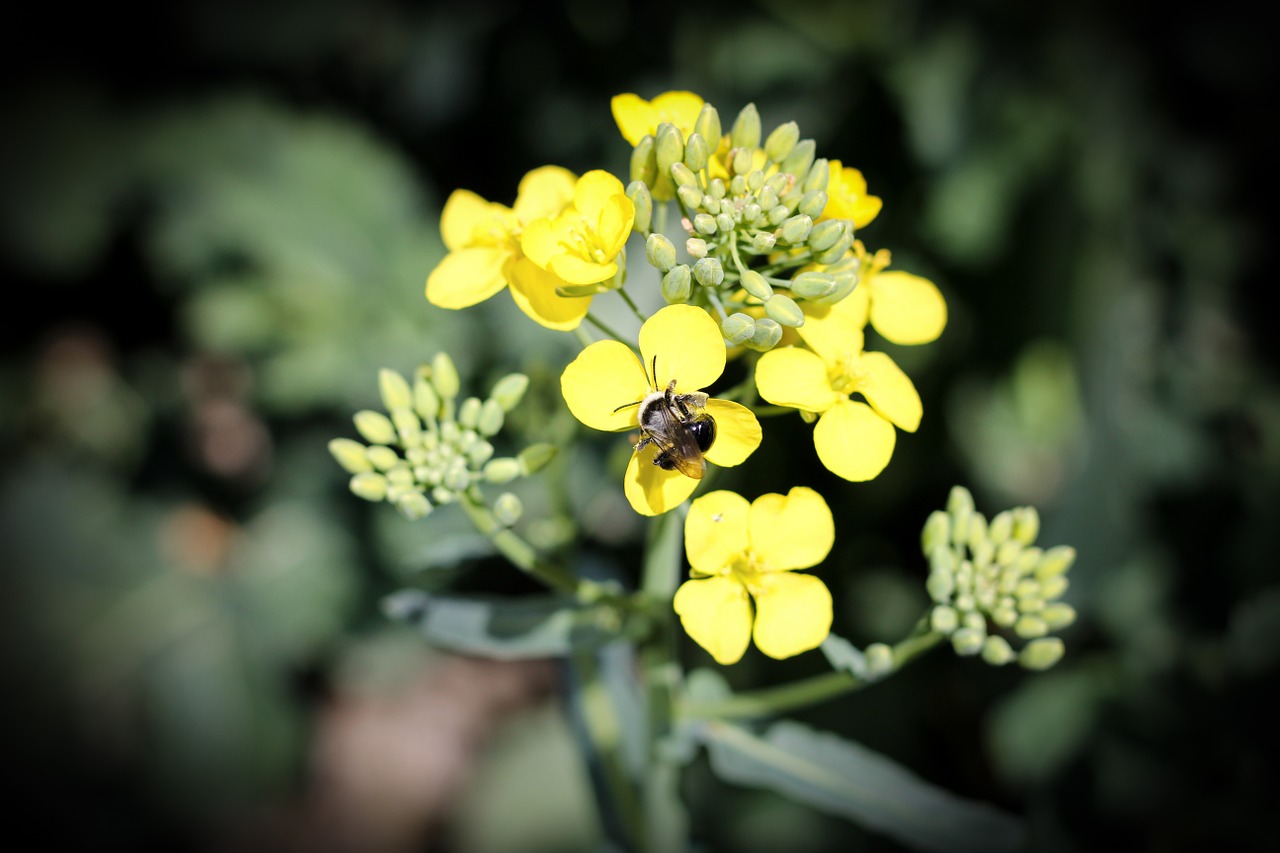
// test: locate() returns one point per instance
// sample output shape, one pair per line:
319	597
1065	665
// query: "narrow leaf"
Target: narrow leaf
848	780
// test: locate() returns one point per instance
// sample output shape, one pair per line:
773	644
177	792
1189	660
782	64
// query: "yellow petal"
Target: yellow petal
688	347
534	291
907	309
738	433
795	377
540	241
853	441
634	117
835	336
574	270
716	614
652	490
469	220
793	614
889	391
603	377
856	306
715	531
593	191
795	531
613	224
467	276
544	192
679	108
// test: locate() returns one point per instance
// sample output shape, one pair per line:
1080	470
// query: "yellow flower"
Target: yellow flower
744	554
847	196
853	439
603	386
580	245
485	252
904	308
638	118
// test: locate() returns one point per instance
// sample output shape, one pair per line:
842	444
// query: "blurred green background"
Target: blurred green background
217	219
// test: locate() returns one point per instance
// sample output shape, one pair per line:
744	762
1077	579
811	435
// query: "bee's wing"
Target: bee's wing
680	446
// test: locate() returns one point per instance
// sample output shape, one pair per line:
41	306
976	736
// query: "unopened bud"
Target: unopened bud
812	203
696	247
826	234
660	252
1026	524
754	283
491	418
369	486
707	125
746	128
425	400
781	141
813	285
507	509
535	457
642	200
879	660
509	390
996	650
705	223
800	158
708	272
382	457
696	152
783	310
845	283
1055	561
968	641
944	619
795	229
1042	653
741	160
766	335
1058	615
444	375
394	390
668	147
350	455
677	284
683	176
413	505
644	165
819	176
1001	527
504	469
375	427
469	412
737	329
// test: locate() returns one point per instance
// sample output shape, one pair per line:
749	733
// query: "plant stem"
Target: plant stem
599	324
515	549
634	308
806	691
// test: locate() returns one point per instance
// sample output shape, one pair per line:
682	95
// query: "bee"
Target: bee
678	425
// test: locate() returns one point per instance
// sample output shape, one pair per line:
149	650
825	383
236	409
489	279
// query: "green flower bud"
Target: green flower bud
1028	560
943	559
968	641
369	486
696	152
800	158
936	533
781	141
766	335
715	188
826	234
813	203
1001	527
708	272
1055	561
491	417
819	176
996	650
707	125
704	223
767	198
795	229
504	469
413	505
838	251
960	507
845	283
741	160
754	283
375	427
425	401
746	129
964	601
879	660
1029	625
984	552
668	147
677	284
711	205
940	586
1026	524
690	196
1042	653
737	329
807	416
763	241
535	457
1008	552
975	620
944	619
444	375
725	222
1058	615
660	252
813	284
684	176
642	199
469	412
442	495
977	530
696	247
751	212
1052	587
644	165
350	455
507	509
394	390
509	390
784	310
480	452
1004	615
382	457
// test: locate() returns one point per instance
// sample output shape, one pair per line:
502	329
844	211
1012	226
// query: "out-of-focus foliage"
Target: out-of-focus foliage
212	253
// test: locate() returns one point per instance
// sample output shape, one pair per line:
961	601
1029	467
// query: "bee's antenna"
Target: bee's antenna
654	373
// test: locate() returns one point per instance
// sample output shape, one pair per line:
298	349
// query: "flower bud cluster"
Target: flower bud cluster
751	209
989	582
431	445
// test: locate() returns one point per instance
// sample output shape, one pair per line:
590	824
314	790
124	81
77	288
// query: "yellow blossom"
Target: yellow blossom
847	196
485	252
581	245
638	118
743	585
903	308
603	386
854	439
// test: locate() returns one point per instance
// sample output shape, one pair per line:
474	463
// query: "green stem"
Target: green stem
802	693
582	336
635	309
599	324
715	301
515	549
771	411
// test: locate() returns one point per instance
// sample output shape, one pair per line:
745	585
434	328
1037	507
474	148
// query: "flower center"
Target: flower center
845	376
747	570
583	242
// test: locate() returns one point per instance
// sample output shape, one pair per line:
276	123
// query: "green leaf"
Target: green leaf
549	626
846	779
